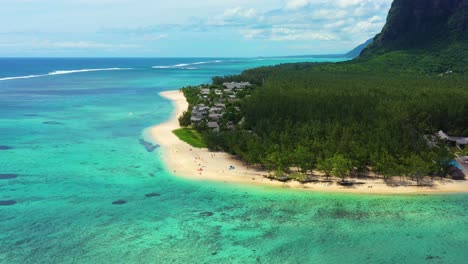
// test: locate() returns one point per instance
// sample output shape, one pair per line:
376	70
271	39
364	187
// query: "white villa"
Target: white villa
235	85
460	142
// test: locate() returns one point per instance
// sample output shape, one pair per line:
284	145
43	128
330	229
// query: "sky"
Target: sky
186	28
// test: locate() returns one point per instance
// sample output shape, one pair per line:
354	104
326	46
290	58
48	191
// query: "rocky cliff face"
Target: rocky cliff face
420	23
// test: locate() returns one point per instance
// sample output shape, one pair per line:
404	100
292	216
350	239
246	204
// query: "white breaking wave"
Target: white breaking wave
184	66
21	77
88	70
201	62
62	72
206	62
163	67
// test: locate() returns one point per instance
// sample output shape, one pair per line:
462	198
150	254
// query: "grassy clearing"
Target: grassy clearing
190	136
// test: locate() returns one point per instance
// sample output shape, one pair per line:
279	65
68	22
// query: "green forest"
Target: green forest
344	123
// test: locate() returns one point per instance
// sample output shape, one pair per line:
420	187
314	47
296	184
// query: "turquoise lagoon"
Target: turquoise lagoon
71	148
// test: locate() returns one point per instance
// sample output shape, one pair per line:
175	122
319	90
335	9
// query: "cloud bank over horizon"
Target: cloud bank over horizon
205	28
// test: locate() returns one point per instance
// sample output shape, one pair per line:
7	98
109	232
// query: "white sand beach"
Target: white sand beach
185	161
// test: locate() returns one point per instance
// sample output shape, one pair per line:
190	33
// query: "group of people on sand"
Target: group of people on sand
200	166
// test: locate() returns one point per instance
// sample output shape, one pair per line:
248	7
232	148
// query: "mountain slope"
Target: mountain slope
421	36
422	23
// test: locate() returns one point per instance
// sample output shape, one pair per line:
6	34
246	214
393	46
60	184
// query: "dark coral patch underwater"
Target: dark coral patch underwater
6	147
8	176
52	123
7	203
119	202
149	195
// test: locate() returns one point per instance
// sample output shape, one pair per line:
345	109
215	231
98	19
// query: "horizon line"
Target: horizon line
338	55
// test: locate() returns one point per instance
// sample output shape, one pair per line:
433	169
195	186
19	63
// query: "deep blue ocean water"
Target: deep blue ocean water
69	148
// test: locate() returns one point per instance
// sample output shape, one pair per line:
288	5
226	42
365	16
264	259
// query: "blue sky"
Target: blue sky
186	28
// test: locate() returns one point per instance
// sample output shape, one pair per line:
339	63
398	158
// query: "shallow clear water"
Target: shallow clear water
75	150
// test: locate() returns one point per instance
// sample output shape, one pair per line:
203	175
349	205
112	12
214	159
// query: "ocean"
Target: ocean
69	150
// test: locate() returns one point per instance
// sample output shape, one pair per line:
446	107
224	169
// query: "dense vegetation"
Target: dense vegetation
312	120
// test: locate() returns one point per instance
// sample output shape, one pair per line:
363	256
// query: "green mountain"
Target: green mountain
422	36
419	24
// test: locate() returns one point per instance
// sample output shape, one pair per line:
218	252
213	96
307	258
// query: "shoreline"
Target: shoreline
185	161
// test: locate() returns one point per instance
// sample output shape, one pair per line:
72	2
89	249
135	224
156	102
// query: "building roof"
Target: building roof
216	109
215	116
201	108
459	140
236	85
442	135
196	118
212	125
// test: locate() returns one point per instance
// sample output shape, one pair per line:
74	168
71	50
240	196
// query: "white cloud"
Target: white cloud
369	26
239	12
287	34
149	37
147	24
333	25
296	4
329	14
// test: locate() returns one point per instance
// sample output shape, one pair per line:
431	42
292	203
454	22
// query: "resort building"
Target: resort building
216	110
212	112
460	142
221	106
213	125
200	110
235	85
230	125
215	117
196	119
